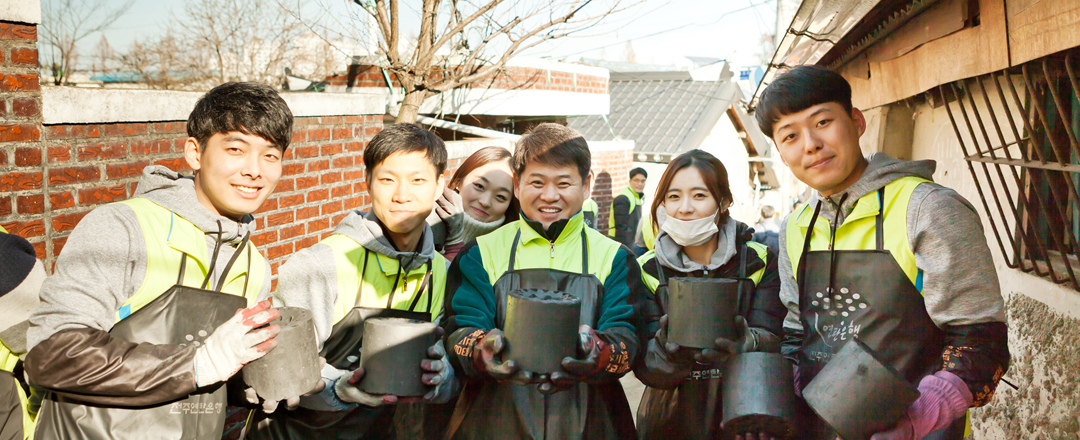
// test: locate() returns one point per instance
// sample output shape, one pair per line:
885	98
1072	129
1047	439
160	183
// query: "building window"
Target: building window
1019	129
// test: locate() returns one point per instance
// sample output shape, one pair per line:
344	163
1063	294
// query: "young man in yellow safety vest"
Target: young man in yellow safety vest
551	249
626	209
883	254
151	307
380	263
21	275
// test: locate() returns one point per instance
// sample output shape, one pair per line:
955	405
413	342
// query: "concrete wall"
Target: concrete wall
1044	317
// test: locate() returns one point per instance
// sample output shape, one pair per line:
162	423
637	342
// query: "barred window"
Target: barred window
1019	131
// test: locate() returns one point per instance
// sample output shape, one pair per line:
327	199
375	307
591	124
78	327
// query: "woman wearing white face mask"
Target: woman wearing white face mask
697	238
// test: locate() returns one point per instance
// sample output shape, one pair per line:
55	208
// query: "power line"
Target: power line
721	17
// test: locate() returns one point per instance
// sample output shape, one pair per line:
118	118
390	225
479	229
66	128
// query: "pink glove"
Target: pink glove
945	397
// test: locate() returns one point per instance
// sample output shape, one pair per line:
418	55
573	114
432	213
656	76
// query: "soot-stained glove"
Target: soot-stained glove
944	397
723	349
234	344
439	374
347	389
487	356
449	208
604	357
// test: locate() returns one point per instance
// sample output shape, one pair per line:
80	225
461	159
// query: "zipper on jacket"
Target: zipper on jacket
552	249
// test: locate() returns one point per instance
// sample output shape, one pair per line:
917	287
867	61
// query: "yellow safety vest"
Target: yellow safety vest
379	279
635	202
858	230
534	251
169	238
653	283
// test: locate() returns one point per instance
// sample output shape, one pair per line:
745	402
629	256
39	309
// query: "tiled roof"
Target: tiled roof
663	113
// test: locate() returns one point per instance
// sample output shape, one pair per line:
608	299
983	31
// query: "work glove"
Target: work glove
234	344
347	389
944	397
269	406
487	356
449	208
604	357
439	374
723	349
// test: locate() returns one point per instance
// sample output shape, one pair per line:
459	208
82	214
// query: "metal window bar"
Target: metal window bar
1021	140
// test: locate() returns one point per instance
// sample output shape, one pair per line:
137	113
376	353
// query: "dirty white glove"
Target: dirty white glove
234	344
347	389
439	374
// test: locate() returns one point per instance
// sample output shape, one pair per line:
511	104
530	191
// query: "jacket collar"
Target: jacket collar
559	232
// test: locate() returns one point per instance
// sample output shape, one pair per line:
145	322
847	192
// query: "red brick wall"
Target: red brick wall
21	171
610	170
79	167
513	78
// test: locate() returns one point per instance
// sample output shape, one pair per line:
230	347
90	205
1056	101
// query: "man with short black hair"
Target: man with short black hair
380	263
626	209
549	248
139	325
883	254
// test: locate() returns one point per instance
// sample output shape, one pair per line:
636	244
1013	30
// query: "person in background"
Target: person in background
113	372
590	210
906	258
21	275
698	238
626	209
767	231
549	248
478	199
380	263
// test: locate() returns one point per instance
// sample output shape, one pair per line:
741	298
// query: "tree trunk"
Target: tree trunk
410	106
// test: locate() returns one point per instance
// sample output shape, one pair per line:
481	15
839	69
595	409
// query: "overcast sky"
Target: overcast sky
659	30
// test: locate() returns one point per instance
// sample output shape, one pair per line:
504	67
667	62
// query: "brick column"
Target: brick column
22	196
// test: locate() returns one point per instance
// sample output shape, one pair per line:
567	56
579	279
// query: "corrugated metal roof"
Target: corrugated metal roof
662	115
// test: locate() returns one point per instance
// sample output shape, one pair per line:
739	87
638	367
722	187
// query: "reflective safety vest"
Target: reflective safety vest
648	234
635	203
858	230
758	249
590	211
169	239
380	279
534	251
7	363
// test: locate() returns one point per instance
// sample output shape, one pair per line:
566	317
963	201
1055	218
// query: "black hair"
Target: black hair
638	170
405	138
798	89
555	145
247	107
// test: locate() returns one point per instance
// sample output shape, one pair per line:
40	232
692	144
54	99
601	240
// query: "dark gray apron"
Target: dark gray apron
342	350
864	294
182	315
489	409
694	409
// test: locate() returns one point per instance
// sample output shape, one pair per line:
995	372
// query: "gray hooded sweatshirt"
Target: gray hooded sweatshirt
104	260
960	283
102	265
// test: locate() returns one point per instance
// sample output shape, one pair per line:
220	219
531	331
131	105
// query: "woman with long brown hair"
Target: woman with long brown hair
478	199
697	238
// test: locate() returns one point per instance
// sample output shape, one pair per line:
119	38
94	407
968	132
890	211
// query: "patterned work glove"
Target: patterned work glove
449	208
